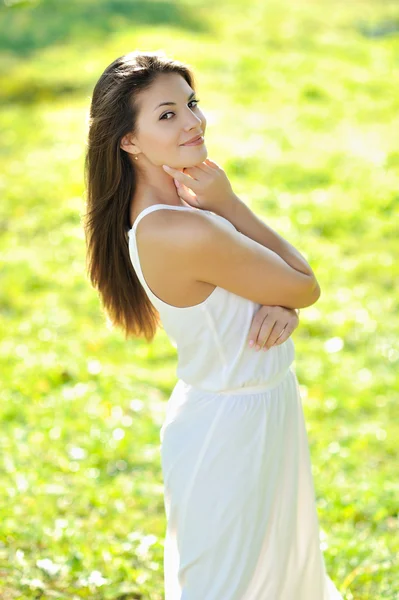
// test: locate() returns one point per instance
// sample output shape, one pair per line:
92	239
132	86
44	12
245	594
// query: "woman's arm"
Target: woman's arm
245	221
207	186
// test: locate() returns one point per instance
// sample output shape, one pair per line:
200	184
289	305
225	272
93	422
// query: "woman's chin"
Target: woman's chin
194	162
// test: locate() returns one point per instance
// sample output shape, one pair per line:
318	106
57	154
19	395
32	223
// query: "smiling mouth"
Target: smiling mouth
194	141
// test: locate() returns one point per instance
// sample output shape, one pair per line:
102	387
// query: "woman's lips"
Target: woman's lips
197	142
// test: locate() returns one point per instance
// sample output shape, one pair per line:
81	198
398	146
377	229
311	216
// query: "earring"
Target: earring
136	158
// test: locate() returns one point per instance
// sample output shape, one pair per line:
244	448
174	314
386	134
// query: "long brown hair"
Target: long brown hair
111	180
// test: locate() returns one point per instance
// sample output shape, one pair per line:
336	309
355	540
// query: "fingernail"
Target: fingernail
166	167
265	348
251	343
257	347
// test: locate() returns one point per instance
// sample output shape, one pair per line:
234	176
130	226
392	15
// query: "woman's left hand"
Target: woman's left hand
205	185
272	325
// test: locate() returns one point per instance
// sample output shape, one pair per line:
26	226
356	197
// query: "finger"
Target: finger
256	325
278	331
186	194
204	167
181	187
294	322
212	163
284	336
264	329
265	332
283	319
182	177
195	172
270	331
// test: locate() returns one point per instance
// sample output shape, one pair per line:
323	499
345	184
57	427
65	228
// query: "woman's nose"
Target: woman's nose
192	121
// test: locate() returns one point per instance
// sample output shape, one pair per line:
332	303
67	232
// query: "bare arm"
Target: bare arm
212	251
246	222
206	186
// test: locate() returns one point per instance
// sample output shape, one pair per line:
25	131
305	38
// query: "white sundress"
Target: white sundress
238	490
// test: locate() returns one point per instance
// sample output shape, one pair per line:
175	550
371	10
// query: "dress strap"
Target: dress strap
133	251
134	255
150	209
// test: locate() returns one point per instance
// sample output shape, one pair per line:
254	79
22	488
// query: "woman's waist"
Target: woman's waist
248	387
248	369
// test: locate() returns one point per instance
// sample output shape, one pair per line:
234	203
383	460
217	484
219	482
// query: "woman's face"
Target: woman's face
168	117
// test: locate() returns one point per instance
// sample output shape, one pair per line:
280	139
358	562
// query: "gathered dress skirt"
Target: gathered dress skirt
239	496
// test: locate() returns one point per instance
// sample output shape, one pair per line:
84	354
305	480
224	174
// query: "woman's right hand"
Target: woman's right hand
203	186
272	326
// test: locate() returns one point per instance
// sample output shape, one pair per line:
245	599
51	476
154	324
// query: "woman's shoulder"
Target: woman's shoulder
163	222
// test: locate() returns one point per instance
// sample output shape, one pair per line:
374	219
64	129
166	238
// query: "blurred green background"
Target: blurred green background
302	110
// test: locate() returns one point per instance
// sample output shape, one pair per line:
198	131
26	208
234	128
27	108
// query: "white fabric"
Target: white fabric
239	496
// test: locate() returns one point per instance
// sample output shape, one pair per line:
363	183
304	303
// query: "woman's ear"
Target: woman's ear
128	146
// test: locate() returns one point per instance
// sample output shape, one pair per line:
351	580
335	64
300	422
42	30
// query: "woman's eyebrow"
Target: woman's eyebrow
172	103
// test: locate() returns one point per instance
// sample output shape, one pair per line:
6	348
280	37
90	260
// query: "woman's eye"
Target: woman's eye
171	113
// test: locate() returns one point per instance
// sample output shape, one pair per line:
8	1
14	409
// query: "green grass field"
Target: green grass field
302	106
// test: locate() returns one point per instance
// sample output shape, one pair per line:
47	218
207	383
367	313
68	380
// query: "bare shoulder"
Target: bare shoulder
171	230
205	249
167	240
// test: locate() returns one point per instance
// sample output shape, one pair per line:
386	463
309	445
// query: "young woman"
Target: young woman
170	243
